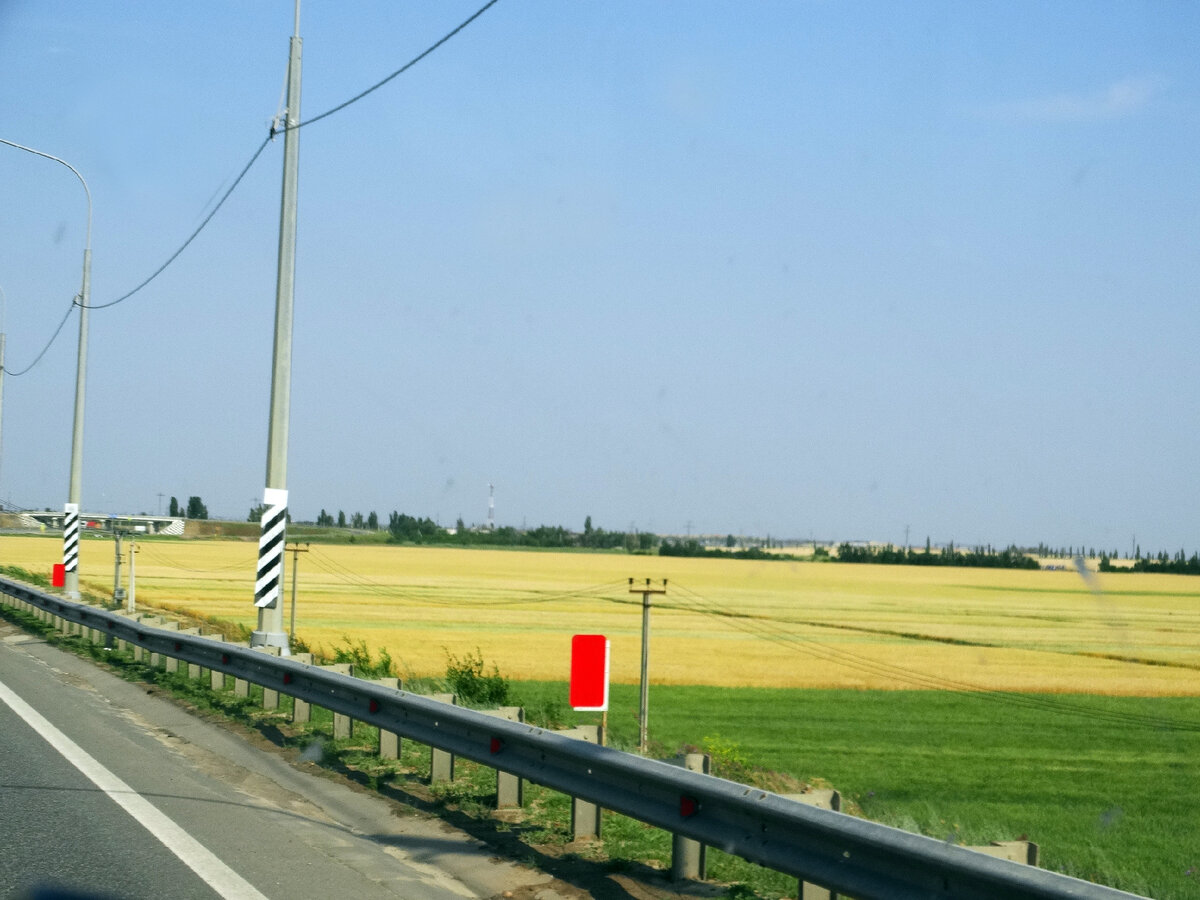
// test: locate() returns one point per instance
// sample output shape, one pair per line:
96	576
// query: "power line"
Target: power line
866	665
53	338
194	234
400	71
348	576
254	158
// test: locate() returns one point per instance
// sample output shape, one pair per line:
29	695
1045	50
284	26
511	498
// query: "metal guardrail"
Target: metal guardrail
863	859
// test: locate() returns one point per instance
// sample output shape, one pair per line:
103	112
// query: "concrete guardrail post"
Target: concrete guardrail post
301	709
158	659
389	741
95	635
215	677
1026	852
192	670
689	858
585	816
139	654
441	762
343	725
510	789
821	799
270	695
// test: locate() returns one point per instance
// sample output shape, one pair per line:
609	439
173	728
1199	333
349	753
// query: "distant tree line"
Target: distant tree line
1179	564
404	528
980	557
691	547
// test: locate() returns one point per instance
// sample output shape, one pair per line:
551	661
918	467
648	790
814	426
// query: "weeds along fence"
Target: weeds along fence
851	856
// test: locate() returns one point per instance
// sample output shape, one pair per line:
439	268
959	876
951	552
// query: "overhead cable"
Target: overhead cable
192	236
400	71
37	359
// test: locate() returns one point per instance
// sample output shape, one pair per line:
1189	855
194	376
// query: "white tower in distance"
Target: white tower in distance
491	507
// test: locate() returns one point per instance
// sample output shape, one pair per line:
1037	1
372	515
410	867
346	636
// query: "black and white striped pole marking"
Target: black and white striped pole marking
270	549
71	538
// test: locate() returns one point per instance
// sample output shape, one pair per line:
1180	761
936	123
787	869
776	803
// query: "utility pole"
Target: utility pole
295	550
268	583
118	591
160	496
130	600
644	705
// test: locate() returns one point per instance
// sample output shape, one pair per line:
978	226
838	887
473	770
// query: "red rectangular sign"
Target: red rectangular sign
589	672
58	575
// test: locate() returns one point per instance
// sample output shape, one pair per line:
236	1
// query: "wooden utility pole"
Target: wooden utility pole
645	589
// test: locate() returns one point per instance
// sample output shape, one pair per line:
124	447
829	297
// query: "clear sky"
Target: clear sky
819	269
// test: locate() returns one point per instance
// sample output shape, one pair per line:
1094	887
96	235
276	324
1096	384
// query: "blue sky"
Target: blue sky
807	269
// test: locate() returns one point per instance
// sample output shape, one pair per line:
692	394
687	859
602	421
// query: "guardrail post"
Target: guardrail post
510	789
216	678
301	709
158	659
689	859
821	799
441	762
193	670
343	725
139	653
585	816
1017	851
270	695
389	741
94	634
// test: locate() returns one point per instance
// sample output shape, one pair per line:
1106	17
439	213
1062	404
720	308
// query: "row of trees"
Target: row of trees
981	557
370	523
406	528
195	508
1179	564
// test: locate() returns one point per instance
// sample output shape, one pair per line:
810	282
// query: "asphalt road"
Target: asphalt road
171	806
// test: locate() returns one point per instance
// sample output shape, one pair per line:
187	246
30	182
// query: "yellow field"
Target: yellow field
792	624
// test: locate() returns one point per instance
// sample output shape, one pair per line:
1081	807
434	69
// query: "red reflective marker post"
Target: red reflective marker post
58	575
589	672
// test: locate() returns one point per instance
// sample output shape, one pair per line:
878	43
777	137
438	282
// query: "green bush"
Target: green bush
471	686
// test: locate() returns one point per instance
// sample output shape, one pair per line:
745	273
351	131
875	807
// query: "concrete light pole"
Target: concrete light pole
268	585
71	510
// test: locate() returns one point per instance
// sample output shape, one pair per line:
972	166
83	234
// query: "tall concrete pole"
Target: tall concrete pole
268	586
71	541
71	513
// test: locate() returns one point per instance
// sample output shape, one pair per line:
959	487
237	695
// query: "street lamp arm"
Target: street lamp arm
86	189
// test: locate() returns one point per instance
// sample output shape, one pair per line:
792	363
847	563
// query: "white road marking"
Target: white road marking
197	857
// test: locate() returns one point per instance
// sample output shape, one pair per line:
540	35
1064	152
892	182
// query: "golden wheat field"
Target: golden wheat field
720	622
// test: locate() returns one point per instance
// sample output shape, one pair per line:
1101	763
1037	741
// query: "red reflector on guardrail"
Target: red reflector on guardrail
373	706
225	659
688	806
178	646
497	745
287	677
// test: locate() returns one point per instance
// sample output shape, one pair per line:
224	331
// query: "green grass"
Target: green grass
1108	799
1106	786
